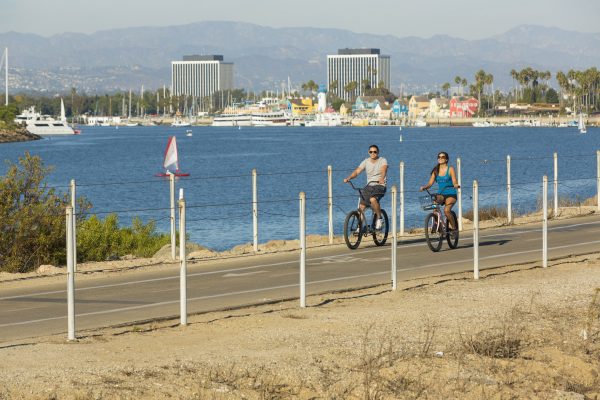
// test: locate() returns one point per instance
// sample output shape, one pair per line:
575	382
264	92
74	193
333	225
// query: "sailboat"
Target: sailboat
63	117
171	160
581	124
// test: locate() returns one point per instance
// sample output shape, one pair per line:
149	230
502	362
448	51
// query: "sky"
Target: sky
468	19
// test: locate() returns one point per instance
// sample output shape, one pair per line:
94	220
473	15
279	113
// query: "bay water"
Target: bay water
114	169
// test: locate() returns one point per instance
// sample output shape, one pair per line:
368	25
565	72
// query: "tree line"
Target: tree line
578	90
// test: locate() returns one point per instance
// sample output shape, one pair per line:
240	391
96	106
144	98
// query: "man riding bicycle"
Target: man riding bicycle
376	170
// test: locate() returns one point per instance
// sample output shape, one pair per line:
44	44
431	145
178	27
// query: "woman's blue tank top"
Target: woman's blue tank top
444	183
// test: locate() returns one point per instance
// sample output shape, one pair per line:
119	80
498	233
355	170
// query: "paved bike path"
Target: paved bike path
39	308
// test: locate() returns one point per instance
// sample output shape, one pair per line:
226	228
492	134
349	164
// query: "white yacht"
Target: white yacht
232	120
275	118
326	119
179	123
43	125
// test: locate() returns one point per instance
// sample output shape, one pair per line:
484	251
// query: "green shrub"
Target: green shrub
32	224
7	115
32	217
100	240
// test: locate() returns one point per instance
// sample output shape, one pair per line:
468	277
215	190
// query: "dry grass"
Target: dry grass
487	213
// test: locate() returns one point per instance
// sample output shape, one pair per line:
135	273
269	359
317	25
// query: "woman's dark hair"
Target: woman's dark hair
374	145
436	169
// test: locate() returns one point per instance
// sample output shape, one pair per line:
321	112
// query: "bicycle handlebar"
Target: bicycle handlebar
359	189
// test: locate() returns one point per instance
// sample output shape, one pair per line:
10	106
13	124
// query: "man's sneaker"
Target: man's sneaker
379	223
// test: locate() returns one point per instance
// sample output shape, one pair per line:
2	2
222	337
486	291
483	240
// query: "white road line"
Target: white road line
234	275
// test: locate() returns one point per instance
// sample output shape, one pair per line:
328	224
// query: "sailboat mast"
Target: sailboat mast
129	110
6	75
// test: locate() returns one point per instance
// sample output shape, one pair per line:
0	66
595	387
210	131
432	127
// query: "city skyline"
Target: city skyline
469	20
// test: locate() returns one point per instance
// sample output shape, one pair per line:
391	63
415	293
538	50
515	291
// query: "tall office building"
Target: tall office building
357	65
201	76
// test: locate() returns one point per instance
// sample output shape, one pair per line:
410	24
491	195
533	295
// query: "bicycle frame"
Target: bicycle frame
362	212
441	216
357	225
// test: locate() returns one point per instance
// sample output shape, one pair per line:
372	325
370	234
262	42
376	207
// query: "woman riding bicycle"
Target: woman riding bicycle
376	169
444	176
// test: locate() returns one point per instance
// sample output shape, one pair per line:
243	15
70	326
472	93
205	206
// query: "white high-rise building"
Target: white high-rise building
360	66
201	76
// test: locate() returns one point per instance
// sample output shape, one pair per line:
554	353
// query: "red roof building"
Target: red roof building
463	107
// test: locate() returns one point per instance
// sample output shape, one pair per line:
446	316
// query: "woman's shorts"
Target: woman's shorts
441	198
377	191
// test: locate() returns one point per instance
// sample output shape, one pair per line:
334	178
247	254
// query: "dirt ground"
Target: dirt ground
519	332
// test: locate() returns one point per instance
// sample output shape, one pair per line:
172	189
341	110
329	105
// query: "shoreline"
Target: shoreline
18	135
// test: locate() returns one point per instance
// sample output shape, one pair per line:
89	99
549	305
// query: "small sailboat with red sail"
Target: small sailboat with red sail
171	161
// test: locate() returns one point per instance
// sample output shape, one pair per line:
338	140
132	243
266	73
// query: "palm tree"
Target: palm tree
333	86
446	87
458	81
489	81
479	86
350	88
365	84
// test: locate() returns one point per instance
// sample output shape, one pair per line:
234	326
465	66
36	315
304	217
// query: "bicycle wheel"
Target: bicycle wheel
380	235
433	234
352	230
452	234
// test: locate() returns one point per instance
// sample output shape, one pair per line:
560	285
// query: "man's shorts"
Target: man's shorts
376	191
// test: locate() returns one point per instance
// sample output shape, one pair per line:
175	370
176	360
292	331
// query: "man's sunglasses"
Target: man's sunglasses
373	152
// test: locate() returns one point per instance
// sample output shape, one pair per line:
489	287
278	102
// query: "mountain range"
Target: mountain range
264	57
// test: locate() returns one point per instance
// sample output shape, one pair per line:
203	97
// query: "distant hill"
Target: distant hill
264	57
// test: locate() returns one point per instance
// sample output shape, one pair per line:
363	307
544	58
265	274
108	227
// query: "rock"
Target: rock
562	395
48	270
165	252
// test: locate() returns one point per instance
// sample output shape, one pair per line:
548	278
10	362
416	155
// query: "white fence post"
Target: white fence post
598	178
401	198
74	205
182	265
394	236
70	276
173	233
302	249
459	194
508	192
254	211
545	222
330	203
555	185
475	230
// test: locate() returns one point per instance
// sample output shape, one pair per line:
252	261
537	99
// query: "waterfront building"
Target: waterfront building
400	108
366	68
439	107
301	106
463	107
369	104
418	106
201	76
346	109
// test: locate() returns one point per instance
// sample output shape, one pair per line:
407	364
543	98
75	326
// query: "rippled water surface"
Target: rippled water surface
114	169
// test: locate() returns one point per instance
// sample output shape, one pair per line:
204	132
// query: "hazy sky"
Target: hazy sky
459	18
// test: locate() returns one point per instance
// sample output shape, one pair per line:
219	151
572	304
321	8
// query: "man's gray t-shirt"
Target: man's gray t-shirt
373	170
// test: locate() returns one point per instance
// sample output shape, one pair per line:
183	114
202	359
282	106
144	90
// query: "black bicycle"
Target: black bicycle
436	224
356	226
